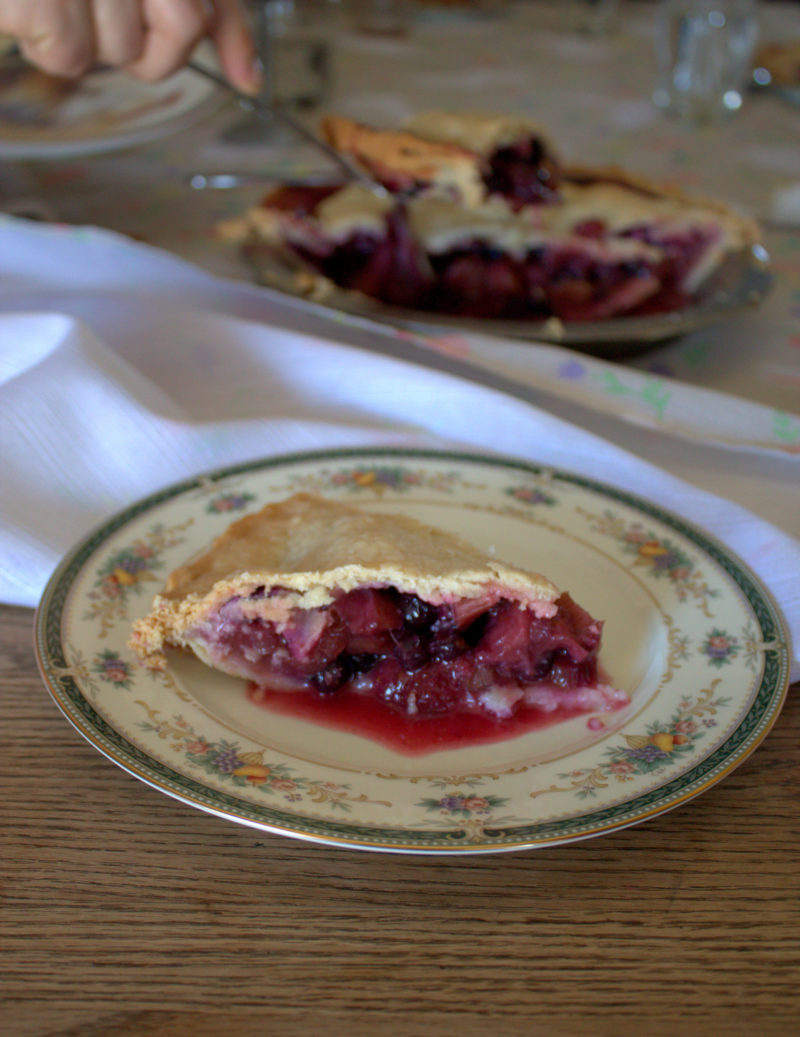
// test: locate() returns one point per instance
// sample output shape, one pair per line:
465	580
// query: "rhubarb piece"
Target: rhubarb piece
313	595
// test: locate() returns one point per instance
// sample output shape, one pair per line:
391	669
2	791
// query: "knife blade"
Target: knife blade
267	113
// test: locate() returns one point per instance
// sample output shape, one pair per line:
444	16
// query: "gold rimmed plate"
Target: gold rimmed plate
689	632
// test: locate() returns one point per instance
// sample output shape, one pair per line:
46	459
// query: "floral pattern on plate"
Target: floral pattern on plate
689	633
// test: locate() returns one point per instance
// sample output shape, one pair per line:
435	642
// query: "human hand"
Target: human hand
149	38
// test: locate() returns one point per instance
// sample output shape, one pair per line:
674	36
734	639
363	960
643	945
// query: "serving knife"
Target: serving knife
268	113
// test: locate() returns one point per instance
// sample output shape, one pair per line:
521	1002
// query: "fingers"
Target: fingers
172	29
231	36
56	35
119	31
150	38
69	37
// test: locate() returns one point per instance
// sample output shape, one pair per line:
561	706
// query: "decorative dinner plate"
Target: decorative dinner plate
689	633
45	117
742	283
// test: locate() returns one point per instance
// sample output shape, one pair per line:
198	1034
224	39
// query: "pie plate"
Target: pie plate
689	632
106	111
742	283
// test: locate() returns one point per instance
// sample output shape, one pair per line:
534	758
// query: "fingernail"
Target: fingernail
252	77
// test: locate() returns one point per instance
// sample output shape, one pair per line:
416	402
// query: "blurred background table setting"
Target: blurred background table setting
139	347
728	390
516	57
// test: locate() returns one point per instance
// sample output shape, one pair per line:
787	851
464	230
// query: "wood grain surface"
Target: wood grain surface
125	912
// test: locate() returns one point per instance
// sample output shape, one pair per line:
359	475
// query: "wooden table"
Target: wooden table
125	912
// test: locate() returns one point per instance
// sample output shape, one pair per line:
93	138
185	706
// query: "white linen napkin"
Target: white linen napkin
145	387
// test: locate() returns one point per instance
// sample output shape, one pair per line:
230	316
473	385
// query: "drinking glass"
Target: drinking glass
704	50
294	48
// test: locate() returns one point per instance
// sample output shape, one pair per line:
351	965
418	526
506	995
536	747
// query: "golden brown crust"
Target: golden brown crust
399	155
445	150
481	133
309	547
746	230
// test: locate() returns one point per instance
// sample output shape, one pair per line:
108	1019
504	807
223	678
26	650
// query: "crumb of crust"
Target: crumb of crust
233	230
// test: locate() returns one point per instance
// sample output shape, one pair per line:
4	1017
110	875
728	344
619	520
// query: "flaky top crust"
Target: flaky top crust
444	149
617	197
401	153
626	196
480	132
309	548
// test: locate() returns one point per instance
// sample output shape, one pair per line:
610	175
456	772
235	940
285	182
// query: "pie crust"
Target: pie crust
307	546
478	132
454	153
403	161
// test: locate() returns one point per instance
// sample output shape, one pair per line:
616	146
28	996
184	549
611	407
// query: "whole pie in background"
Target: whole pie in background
481	218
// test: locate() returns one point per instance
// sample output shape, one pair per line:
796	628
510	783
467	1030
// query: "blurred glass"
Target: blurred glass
597	17
295	48
294	43
704	50
380	17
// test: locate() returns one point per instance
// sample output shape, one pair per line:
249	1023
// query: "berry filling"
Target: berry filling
523	174
561	280
683	251
591	274
391	268
485	655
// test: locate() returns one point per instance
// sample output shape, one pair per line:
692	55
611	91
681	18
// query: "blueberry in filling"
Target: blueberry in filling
523	173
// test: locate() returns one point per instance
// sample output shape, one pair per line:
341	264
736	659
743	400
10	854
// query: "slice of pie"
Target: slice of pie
468	156
313	595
